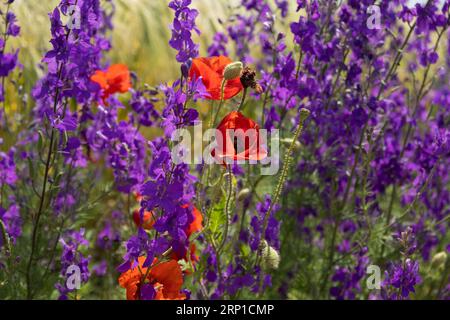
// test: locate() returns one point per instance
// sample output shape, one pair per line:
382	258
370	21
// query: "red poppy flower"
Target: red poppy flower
166	278
148	218
240	139
195	226
116	79
211	71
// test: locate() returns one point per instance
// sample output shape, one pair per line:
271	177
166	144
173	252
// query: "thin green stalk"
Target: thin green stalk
222	89
5	237
44	185
304	114
244	95
227	208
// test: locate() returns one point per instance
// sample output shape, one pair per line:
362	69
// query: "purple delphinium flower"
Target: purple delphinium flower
122	144
402	277
12	221
348	279
169	185
8	60
9	209
75	55
218	45
73	263
273	226
107	236
182	27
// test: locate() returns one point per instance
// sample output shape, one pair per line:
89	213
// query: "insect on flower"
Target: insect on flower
211	71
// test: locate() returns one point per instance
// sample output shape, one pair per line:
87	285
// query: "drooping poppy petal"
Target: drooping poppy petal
210	69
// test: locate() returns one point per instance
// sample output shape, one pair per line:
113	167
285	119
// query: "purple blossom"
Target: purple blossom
182	27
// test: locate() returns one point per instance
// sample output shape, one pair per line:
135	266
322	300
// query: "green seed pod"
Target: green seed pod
233	70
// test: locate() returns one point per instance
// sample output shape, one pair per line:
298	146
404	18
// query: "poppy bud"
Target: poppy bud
438	260
243	194
270	259
233	70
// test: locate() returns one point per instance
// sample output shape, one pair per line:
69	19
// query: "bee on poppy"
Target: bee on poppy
220	71
211	70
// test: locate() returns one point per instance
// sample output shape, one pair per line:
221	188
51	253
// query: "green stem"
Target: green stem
227	208
304	114
44	185
244	95
5	237
222	89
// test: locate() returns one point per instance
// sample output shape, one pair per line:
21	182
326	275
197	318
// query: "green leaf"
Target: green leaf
217	219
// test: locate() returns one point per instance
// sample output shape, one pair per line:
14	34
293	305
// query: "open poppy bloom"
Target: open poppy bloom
163	282
116	79
211	72
239	140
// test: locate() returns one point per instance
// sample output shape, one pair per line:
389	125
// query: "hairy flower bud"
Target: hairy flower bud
233	70
439	260
270	258
244	193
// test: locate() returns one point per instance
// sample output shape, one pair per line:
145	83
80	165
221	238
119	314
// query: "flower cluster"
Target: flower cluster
96	183
74	265
8	60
